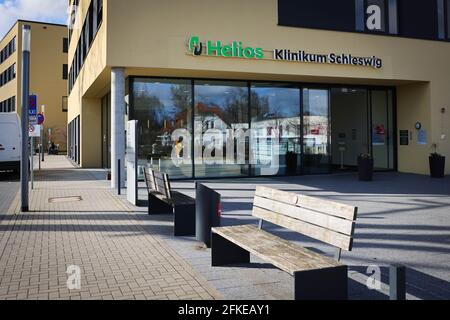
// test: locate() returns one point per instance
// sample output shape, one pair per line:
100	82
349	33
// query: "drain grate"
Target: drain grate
65	199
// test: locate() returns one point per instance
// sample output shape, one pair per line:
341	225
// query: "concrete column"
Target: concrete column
117	125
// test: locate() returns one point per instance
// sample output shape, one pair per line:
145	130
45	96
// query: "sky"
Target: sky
54	11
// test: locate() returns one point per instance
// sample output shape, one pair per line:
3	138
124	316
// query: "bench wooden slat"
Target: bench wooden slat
336	239
162	184
329	207
281	253
306	215
149	179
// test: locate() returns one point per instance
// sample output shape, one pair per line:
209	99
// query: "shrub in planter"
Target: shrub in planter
365	167
437	165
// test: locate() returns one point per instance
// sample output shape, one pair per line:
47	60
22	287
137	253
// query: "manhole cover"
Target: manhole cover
65	199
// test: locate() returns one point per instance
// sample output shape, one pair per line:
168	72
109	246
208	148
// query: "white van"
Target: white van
10	142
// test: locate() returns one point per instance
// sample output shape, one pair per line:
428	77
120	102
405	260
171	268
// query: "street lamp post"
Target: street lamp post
26	45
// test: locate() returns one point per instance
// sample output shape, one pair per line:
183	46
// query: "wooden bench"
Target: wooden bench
163	200
316	276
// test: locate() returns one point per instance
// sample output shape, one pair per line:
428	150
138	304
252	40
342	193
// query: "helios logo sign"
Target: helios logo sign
236	49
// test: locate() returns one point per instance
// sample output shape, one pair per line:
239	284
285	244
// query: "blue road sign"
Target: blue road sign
40	119
33	106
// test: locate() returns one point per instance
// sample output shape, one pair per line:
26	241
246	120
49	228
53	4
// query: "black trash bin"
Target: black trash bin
208	212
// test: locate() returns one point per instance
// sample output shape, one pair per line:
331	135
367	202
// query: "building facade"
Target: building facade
324	80
48	75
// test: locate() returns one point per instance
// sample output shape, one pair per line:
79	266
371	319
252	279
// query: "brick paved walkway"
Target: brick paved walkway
117	257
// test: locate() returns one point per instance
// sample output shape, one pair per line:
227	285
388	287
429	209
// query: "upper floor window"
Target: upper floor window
90	26
8	50
65	71
8	75
418	19
65	45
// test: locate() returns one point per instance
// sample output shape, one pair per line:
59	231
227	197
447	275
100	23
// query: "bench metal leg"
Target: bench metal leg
397	282
184	220
224	252
157	206
322	284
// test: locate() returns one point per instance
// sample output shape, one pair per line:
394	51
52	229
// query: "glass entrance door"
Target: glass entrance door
316	131
382	115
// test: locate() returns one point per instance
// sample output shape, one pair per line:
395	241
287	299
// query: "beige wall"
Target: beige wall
91	143
10	89
413	105
149	37
46	81
80	101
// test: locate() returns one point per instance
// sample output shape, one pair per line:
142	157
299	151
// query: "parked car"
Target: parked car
10	142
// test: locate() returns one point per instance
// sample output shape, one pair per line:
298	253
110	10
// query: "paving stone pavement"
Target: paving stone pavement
126	254
100	234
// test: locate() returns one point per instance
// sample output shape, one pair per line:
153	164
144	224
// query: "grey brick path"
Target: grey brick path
118	258
126	254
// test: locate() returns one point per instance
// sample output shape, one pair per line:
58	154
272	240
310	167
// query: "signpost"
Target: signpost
40	121
42	136
34	131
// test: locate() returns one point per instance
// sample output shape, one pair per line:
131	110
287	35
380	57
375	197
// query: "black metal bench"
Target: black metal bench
163	200
316	276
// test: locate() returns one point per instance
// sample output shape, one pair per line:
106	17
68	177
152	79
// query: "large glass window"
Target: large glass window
275	111
221	124
161	107
212	129
316	131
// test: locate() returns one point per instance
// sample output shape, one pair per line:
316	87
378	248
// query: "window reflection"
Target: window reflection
221	109
316	130
161	107
275	107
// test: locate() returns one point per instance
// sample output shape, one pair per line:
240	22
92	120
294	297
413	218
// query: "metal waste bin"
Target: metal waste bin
207	212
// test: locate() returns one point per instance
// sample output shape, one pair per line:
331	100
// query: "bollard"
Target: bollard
119	178
397	282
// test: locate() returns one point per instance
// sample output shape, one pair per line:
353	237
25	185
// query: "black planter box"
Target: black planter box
291	163
437	166
365	169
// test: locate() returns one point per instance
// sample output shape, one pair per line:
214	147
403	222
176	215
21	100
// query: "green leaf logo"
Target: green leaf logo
195	46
